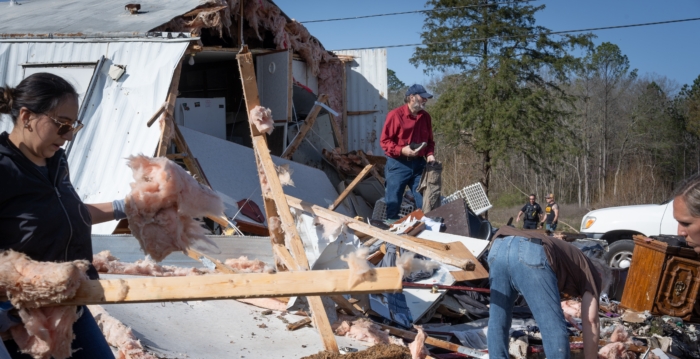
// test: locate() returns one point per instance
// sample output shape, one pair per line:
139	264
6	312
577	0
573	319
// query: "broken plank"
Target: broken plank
298	324
305	128
435	342
155	116
220	267
388	237
275	203
336	130
350	187
345	305
230	286
365	162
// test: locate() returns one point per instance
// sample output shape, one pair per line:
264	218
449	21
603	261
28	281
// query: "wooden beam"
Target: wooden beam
275	202
345	305
336	131
360	113
435	342
169	109
350	187
365	162
305	128
220	267
345	108
160	111
230	286
400	241
298	324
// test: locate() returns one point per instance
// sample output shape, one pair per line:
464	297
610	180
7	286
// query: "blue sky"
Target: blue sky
671	50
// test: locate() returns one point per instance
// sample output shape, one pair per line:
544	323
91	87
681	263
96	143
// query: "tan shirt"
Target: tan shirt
575	272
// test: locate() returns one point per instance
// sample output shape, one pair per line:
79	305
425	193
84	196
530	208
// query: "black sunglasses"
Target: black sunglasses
64	128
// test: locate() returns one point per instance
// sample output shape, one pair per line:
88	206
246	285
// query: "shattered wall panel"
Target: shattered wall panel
366	91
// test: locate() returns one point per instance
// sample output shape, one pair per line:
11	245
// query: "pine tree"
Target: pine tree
509	99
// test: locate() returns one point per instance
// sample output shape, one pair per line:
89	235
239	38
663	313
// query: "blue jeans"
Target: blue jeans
551	226
398	175
88	339
520	266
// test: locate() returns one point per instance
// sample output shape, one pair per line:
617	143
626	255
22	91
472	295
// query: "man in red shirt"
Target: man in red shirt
406	127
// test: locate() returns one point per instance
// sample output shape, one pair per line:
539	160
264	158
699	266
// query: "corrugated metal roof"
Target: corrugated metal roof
87	17
366	91
116	114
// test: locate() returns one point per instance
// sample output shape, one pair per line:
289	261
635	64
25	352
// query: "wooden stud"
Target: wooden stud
435	342
160	111
345	109
350	187
400	241
336	131
230	286
220	267
345	305
365	162
275	203
167	115
305	128
298	324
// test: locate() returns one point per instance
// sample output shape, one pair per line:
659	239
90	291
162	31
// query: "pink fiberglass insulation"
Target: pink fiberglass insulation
105	262
245	265
330	82
360	269
572	310
615	350
119	335
267	303
261	117
46	332
31	284
331	229
417	347
162	203
285	175
408	264
619	334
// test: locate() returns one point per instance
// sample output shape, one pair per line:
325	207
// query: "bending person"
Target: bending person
540	268
41	215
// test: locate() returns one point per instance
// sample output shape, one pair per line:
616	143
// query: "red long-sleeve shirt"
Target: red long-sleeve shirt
402	128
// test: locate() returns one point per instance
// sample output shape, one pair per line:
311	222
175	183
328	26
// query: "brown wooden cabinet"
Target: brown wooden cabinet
663	279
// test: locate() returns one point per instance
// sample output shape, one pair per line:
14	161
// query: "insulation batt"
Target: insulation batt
360	269
364	330
617	349
46	332
331	229
285	175
162	203
408	264
245	265
31	284
261	117
119	335
105	262
572	309
417	347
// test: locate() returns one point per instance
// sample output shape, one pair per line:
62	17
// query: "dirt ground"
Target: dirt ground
375	352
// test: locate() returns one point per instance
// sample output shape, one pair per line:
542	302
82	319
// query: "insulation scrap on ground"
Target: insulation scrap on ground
617	348
46	332
417	347
244	265
105	262
162	205
360	269
261	118
364	330
119	335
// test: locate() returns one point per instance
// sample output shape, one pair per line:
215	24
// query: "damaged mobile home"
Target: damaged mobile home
183	80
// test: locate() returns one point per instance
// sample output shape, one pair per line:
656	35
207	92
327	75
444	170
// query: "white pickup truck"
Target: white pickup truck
617	225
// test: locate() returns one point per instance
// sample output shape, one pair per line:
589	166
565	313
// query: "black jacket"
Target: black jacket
41	217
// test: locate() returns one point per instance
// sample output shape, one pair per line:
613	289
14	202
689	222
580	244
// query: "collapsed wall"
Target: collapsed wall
223	18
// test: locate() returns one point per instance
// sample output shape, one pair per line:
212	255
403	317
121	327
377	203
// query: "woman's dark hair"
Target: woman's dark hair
40	93
689	190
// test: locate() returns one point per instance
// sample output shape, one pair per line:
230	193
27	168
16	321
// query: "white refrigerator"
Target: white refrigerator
206	115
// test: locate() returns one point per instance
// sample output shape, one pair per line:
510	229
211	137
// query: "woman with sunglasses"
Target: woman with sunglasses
41	215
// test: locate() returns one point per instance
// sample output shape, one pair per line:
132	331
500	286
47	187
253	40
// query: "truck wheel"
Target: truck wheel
620	254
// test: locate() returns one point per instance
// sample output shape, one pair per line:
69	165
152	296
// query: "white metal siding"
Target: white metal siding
366	91
116	115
